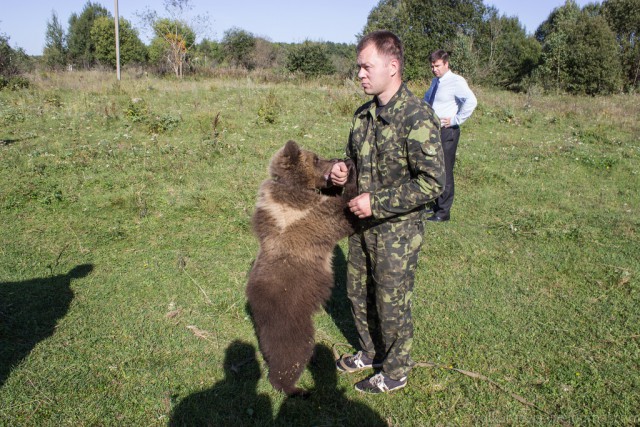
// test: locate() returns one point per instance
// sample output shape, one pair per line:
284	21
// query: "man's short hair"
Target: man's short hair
439	54
386	43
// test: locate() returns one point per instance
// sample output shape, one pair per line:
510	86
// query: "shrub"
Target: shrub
311	59
163	123
597	135
268	111
137	110
14	83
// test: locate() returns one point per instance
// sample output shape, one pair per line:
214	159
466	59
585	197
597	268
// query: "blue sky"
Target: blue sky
291	21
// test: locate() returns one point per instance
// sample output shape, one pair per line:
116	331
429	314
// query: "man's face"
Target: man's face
374	71
439	68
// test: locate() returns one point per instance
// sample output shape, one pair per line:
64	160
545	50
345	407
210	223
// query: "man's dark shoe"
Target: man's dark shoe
439	218
380	383
355	363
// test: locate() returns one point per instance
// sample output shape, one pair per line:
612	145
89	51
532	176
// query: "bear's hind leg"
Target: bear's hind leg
286	383
288	361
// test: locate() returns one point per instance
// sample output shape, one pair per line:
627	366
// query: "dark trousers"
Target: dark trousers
449	137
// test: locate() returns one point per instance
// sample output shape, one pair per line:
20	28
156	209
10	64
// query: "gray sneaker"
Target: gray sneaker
355	363
380	383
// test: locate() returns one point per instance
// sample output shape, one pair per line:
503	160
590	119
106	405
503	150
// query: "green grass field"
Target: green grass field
125	242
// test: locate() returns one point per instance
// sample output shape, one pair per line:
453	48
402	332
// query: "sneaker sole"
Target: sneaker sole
341	367
382	392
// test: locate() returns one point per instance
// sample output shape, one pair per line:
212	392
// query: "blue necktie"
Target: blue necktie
433	92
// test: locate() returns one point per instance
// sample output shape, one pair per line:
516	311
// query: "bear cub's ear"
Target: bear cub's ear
291	150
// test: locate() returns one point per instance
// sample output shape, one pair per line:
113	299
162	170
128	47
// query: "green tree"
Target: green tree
558	21
310	58
79	43
464	57
55	47
506	56
554	35
593	63
13	62
623	17
103	37
171	44
579	51
208	53
8	66
174	34
426	25
343	58
266	54
239	46
385	16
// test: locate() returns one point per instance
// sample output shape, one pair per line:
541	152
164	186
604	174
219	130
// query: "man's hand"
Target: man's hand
361	205
445	122
339	174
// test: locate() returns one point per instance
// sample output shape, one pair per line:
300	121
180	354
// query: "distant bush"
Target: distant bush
14	83
163	123
268	111
13	62
311	59
596	135
346	102
137	110
9	115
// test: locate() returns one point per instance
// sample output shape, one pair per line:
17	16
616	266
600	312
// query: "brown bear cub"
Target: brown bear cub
298	227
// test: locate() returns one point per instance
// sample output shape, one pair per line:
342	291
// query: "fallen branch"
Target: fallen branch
474	375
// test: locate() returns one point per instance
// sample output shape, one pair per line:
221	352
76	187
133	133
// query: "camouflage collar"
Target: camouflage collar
385	113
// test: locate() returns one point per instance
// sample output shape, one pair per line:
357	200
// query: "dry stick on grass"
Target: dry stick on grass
83	250
206	297
40	392
53	266
173	313
474	375
201	333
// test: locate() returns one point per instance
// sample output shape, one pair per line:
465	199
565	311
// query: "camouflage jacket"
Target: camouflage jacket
398	154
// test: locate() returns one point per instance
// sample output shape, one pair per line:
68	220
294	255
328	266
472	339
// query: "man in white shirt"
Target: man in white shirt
453	101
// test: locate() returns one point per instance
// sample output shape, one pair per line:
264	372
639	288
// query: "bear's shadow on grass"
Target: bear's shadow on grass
235	399
29	313
327	404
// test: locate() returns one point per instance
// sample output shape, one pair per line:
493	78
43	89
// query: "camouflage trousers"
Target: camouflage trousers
380	276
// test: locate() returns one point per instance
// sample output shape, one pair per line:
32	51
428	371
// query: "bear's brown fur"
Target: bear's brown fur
298	227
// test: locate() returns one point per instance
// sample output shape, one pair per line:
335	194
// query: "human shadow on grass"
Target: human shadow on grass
234	401
29	313
327	404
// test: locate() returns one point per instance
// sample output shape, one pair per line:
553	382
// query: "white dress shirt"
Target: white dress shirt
453	98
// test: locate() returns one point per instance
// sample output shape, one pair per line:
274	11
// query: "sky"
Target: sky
289	21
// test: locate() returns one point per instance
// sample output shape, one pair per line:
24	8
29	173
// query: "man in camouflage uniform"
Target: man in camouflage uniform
395	144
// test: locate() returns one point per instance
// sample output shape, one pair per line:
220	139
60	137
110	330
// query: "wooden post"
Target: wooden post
117	19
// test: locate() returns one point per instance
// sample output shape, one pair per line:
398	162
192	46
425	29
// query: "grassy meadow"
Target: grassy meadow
125	242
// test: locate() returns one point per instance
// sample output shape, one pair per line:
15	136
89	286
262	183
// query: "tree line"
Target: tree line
89	42
592	50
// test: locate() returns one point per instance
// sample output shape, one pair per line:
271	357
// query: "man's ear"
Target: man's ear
394	66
